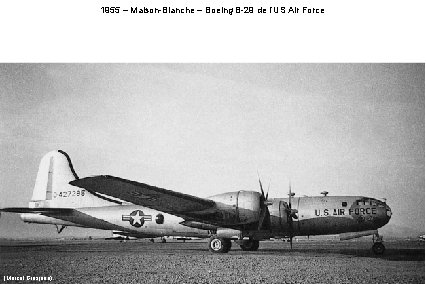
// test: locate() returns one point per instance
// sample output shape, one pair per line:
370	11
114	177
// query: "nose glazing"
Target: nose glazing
388	212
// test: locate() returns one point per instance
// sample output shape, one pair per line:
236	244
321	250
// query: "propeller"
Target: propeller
291	214
263	205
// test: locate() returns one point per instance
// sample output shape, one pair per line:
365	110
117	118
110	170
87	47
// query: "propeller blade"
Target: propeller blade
263	206
261	188
267	193
289	195
261	218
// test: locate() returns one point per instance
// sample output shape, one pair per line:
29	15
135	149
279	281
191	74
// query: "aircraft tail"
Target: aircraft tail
52	188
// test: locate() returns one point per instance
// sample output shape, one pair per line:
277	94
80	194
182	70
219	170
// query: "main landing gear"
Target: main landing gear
219	245
378	247
249	245
223	245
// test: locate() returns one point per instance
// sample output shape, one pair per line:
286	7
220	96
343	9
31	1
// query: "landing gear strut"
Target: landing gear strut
219	245
249	245
378	247
59	230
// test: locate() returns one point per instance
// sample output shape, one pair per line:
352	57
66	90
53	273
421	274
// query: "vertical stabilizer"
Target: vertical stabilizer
52	188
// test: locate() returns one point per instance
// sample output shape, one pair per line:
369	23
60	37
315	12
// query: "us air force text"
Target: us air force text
214	10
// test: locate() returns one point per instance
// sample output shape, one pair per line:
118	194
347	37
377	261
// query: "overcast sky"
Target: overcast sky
204	129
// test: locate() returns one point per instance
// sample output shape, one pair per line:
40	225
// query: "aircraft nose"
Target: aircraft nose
388	212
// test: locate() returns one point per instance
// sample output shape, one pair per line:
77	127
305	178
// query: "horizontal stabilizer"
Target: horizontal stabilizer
44	211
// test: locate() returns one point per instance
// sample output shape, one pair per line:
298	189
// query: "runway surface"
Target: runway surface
101	261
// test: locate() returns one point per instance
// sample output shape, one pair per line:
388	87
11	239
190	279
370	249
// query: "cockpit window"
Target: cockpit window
380	203
364	202
344	204
370	202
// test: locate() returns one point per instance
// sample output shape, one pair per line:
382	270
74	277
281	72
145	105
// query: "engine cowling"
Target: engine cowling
244	206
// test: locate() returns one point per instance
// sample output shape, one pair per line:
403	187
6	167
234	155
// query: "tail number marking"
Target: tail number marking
69	193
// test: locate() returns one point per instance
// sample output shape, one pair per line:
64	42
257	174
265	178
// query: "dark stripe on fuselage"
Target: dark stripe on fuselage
69	163
76	177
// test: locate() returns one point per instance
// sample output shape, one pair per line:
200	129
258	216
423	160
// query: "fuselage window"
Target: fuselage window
344	204
159	219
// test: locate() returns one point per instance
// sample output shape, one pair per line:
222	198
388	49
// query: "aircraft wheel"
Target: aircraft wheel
219	245
378	248
250	245
228	244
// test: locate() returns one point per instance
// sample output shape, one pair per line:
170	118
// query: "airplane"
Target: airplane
140	210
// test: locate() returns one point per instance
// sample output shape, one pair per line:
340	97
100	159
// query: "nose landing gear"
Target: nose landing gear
378	247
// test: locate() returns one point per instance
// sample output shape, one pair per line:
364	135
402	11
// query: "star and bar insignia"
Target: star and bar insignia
136	218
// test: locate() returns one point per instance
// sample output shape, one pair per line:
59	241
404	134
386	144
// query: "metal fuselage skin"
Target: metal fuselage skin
142	224
318	215
325	215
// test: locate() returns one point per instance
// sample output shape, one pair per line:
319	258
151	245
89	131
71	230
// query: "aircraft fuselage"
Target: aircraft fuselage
323	215
318	215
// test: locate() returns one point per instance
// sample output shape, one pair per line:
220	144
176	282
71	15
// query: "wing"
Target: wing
183	205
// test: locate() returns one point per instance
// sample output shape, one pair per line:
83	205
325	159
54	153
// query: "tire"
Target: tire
250	245
228	245
219	245
378	248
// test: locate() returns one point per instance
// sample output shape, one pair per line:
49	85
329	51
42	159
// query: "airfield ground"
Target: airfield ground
101	261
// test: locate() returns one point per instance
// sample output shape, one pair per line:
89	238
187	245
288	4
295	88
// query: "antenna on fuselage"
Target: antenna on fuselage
324	193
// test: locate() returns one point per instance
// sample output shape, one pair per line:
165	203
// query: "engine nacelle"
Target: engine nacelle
244	206
228	233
